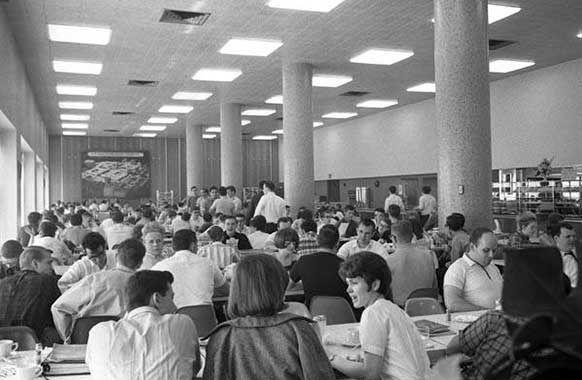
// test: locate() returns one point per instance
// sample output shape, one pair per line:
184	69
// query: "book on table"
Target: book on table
433	327
66	359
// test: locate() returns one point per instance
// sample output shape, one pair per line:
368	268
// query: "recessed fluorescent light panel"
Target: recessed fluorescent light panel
162	120
259	112
74	133
75	126
71	117
146	134
305	5
381	56
76	67
244	122
175	109
212	130
277	99
326	80
579	35
339	115
63	89
76	105
374	103
183	95
277	132
208	136
508	65
499	12
79	34
152	128
217	75
253	47
263	137
423	87
317	124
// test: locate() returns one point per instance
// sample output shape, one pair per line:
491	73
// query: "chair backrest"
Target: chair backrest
83	325
203	316
336	309
424	293
422	306
23	335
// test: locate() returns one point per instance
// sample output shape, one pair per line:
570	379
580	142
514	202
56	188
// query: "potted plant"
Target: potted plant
544	170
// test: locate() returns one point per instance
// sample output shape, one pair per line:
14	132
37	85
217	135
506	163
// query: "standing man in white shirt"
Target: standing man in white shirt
393	199
150	342
364	242
427	206
271	206
564	236
231	192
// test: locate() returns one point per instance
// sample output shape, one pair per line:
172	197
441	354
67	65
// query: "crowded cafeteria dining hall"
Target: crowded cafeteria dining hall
290	189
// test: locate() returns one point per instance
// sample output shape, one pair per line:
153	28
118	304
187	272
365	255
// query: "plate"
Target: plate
465	318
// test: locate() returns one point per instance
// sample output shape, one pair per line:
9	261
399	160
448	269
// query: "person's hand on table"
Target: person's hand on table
447	369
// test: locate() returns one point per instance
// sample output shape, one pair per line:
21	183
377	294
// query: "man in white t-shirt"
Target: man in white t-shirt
427	205
393	199
271	206
473	282
364	242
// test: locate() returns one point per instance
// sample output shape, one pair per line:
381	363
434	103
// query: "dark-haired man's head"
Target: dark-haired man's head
285	237
34	218
455	221
394	212
392	189
349	212
47	229
230	191
284	222
37	259
185	216
76	220
184	240
116	216
269	186
259	222
215	233
11	251
403	231
309	225
328	237
151	288
130	253
564	236
222	191
426	189
365	231
230	224
94	246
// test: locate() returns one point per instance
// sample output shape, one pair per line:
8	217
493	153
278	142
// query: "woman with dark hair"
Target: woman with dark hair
263	340
390	342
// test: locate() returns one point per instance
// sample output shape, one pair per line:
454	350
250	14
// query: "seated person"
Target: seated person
348	226
546	236
26	297
473	282
219	253
153	240
181	222
9	257
282	223
391	345
262	340
308	238
196	220
302	215
286	242
101	293
76	232
232	237
527	230
257	235
533	284
207	218
383	233
95	260
150	342
564	236
27	233
459	237
364	242
319	271
241	227
46	238
394	213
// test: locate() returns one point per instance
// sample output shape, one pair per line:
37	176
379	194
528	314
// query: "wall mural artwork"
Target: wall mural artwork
123	175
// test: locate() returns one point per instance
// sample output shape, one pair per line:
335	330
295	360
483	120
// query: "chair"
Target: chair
203	316
23	335
424	293
422	306
336	309
83	325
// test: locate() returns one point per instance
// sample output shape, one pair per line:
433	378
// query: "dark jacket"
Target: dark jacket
282	347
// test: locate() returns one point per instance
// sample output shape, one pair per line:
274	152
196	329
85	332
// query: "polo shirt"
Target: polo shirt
223	206
481	286
351	248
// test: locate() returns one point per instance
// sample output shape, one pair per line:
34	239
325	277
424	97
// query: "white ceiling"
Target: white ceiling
145	49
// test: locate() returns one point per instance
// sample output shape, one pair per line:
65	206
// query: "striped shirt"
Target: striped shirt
221	254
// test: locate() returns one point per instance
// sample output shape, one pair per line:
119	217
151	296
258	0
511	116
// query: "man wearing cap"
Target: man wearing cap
11	251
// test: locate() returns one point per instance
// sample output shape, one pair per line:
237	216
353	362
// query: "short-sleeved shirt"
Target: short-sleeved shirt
221	254
223	206
258	239
393	199
386	331
195	278
351	248
488	342
319	274
480	285
426	204
459	245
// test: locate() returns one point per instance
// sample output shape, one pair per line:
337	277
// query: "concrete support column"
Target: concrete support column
9	219
39	184
194	158
298	132
231	160
463	111
281	158
29	183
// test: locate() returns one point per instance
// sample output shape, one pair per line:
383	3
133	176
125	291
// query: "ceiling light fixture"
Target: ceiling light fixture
153	128
306	5
75	126
146	134
508	65
208	136
423	87
259	112
217	75
249	46
184	95
76	105
376	103
244	122
77	67
162	120
172	108
74	133
212	130
317	124
277	99
79	34
498	12
327	80
264	138
71	117
579	35
339	115
64	89
277	132
381	56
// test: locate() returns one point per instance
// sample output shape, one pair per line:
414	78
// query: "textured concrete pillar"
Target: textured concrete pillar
39	184
298	130
28	183
9	218
231	160
462	111
194	158
281	158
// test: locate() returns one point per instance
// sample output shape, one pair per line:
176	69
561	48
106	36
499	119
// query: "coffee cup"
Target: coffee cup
28	372
7	347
